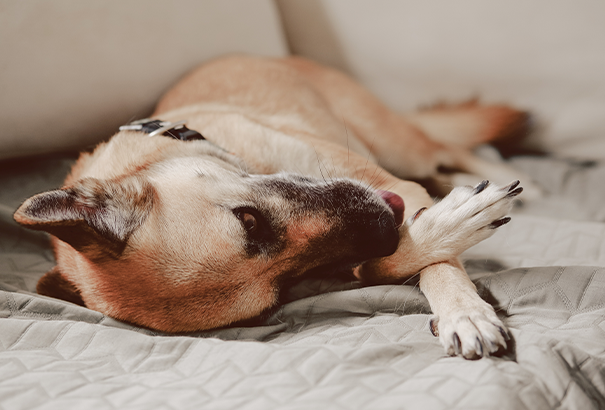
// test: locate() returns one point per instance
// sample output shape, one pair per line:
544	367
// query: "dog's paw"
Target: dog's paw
473	335
464	218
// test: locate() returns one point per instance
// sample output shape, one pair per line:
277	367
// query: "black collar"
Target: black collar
176	130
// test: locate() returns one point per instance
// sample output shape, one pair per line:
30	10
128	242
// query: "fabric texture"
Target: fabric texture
333	344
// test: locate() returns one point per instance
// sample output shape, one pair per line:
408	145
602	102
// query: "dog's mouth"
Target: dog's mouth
395	202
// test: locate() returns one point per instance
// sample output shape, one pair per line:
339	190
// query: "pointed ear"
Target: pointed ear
91	212
56	285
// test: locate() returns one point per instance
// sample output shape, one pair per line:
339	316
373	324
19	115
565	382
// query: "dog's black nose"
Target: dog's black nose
367	221
373	236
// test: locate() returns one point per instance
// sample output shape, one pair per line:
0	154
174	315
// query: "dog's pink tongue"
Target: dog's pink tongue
395	202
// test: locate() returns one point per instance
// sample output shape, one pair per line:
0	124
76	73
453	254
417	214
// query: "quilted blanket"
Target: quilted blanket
333	344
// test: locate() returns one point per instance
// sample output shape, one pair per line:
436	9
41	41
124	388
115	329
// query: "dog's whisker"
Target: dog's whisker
408	297
410	278
335	173
364	170
403	284
371	179
367	160
348	148
377	174
369	154
319	164
391	186
332	172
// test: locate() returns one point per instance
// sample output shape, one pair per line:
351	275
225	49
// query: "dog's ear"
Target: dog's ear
56	285
92	212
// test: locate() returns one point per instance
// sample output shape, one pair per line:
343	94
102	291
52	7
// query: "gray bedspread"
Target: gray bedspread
334	345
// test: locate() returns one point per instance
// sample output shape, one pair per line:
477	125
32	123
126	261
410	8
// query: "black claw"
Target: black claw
479	347
513	185
504	333
419	212
457	344
481	186
515	192
499	223
433	327
413	218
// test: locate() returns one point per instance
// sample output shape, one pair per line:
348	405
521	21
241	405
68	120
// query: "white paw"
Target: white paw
472	333
464	218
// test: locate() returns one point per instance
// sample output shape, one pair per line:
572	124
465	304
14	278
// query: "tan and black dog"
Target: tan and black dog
296	175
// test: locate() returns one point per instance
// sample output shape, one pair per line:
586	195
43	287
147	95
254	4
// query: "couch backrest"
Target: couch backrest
542	55
72	71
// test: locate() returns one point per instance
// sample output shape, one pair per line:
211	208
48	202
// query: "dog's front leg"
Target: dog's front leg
429	245
465	324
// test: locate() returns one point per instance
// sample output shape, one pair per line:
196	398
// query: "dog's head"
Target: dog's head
194	242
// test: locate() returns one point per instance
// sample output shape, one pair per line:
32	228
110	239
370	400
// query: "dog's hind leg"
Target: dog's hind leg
417	145
398	146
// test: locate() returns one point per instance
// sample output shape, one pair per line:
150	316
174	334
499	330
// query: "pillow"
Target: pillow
544	56
72	71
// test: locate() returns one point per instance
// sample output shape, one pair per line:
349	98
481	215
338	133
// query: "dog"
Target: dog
283	168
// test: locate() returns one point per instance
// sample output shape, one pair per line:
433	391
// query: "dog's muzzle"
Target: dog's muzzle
369	220
375	235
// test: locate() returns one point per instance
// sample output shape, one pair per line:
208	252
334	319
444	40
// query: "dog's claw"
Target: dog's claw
433	327
512	186
457	344
499	223
479	347
504	334
413	218
479	188
471	338
515	192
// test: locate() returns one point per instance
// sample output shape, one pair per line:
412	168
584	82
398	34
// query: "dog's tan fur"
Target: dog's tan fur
146	229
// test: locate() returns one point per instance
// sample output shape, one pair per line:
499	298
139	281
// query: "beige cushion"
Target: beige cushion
542	55
72	71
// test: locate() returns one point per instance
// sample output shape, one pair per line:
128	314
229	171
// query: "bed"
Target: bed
332	344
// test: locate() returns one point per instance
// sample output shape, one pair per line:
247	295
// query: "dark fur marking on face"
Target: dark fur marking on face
342	201
361	225
332	197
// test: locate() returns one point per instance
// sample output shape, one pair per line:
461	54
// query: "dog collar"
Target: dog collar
176	130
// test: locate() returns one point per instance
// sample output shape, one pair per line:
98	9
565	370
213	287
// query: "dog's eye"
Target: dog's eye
261	234
250	219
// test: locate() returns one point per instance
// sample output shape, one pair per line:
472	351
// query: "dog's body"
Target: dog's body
296	176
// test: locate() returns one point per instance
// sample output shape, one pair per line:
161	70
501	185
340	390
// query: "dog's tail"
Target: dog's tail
470	124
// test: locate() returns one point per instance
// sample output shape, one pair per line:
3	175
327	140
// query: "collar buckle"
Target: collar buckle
176	130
